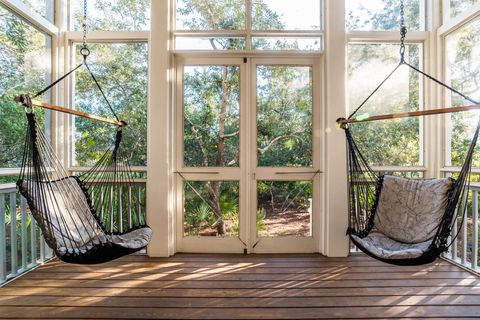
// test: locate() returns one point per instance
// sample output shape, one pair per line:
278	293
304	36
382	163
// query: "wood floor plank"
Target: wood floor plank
237	313
275	264
258	284
286	302
238	293
243	269
232	276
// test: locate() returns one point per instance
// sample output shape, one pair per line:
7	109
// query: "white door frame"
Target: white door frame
198	243
287	244
248	173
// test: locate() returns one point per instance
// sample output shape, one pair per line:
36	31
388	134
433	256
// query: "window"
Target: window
121	70
45	8
113	14
389	142
25	68
383	15
457	7
463	66
210	15
226	25
286	15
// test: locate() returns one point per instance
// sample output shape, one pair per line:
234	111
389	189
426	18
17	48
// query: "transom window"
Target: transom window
248	25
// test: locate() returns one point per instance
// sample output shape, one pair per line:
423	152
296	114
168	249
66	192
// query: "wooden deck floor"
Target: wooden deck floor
242	287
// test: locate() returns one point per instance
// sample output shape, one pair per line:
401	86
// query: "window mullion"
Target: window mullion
248	25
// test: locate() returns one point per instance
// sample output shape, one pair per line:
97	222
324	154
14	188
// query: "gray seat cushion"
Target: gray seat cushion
70	221
135	239
384	247
410	210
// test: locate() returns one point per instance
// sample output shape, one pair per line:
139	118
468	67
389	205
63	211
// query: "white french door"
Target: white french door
248	155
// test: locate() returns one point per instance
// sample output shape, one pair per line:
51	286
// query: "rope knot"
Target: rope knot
342	123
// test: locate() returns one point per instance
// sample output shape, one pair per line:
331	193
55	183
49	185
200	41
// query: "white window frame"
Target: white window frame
26	13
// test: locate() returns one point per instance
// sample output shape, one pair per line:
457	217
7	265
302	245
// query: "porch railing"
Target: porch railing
22	246
464	249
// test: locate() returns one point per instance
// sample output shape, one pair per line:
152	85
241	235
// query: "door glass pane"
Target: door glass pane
284	208
284	116
211	119
463	65
211	208
382	15
210	15
388	142
286	15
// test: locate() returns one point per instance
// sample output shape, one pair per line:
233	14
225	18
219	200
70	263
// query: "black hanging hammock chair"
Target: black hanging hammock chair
398	220
89	218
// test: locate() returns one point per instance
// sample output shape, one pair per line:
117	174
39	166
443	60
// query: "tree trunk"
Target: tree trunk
214	189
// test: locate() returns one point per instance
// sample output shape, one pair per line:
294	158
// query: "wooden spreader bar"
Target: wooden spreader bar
71	111
409	114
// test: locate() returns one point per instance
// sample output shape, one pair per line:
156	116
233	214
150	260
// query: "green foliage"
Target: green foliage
211	14
390	142
121	70
261	215
113	14
23	70
200	206
284	116
211	111
367	15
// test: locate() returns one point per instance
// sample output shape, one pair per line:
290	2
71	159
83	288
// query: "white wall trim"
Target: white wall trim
160	213
336	243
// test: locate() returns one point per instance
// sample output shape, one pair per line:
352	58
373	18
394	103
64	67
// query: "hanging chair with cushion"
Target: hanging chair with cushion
92	217
398	220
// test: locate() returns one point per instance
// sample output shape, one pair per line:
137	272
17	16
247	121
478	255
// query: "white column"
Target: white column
160	213
336	215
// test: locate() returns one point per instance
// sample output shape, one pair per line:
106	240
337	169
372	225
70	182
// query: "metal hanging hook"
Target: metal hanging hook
84	51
